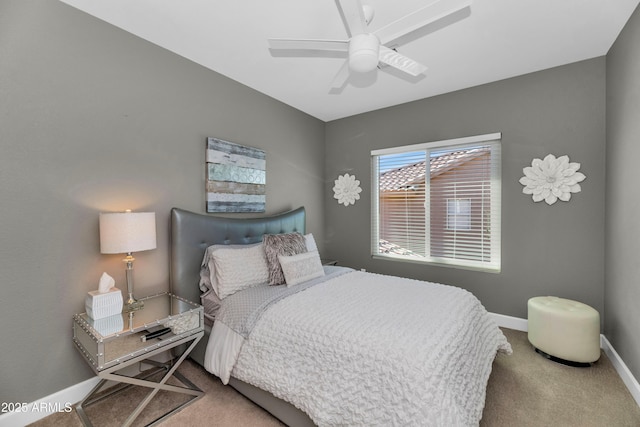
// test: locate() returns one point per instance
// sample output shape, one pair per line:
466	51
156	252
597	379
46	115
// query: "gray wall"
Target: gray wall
94	119
546	250
622	290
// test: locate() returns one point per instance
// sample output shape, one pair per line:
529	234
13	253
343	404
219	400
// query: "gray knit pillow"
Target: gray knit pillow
281	244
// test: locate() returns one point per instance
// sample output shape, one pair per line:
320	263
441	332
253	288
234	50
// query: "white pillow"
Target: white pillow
310	242
300	268
238	268
208	279
207	272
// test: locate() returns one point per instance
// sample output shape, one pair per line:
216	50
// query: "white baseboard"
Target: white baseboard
625	374
60	401
65	400
510	322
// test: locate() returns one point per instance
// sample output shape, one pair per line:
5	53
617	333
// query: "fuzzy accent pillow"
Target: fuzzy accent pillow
281	244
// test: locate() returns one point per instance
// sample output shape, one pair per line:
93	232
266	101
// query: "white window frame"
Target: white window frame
494	266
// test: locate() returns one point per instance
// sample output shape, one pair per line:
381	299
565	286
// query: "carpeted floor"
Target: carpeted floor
524	390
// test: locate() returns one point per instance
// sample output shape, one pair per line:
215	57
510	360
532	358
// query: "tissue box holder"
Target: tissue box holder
99	305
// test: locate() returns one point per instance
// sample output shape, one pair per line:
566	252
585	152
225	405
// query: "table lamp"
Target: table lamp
128	232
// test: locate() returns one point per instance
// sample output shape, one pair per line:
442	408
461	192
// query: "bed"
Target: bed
336	347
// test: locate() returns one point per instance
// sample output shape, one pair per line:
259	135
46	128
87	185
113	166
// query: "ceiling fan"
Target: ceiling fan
367	49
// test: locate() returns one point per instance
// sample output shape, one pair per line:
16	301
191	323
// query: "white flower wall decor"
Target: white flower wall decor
552	179
346	189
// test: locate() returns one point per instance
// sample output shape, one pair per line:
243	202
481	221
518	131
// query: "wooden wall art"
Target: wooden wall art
236	177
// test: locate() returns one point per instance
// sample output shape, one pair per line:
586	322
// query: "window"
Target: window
458	214
439	202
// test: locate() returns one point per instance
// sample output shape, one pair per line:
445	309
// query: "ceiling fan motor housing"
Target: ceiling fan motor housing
363	52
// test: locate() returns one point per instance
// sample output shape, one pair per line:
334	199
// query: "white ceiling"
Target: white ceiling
496	40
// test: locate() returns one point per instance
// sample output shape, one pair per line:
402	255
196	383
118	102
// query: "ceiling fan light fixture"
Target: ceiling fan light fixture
364	50
367	50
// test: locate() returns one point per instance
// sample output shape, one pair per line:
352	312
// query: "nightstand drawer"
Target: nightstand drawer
110	341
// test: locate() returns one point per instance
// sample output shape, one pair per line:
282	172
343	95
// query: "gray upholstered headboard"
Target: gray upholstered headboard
192	233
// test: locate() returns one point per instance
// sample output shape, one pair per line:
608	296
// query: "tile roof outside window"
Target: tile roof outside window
413	174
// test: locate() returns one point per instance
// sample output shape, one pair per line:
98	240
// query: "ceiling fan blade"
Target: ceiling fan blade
341	78
420	18
352	15
401	62
309	44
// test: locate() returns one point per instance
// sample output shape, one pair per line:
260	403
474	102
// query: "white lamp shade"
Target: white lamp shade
123	232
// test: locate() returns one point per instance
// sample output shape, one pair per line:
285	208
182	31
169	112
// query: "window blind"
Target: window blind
439	202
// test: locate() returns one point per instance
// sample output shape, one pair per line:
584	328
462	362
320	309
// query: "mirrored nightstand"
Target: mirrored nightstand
111	344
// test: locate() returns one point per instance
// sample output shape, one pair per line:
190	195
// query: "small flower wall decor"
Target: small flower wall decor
347	189
552	179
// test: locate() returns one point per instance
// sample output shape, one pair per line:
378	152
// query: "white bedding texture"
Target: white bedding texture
358	348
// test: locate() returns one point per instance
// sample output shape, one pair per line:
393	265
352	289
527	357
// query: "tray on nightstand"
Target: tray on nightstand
115	339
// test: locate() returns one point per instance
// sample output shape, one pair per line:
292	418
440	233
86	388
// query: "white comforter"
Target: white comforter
366	349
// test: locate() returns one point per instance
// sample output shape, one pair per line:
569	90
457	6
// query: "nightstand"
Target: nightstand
113	343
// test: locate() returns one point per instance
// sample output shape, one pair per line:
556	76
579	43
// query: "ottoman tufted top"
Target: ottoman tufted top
559	305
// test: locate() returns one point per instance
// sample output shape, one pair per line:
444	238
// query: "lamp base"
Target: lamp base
132	305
